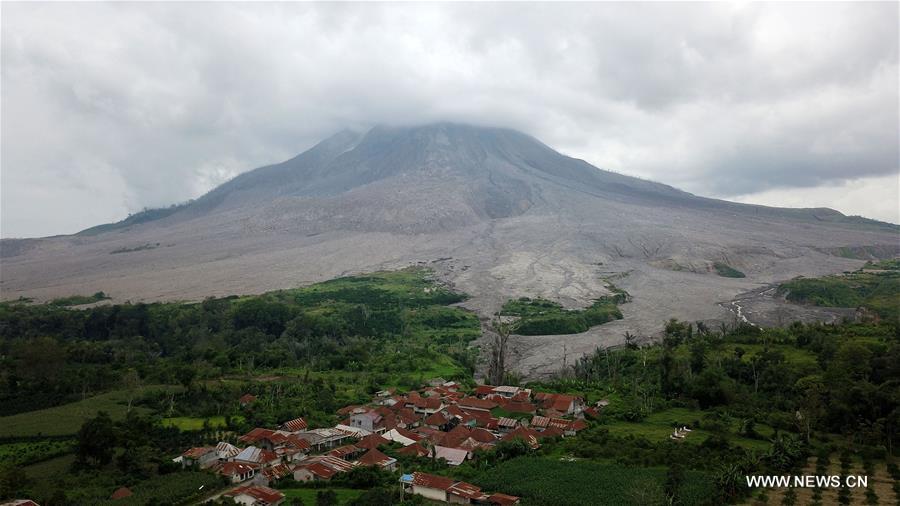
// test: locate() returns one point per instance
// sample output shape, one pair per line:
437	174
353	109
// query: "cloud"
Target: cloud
109	108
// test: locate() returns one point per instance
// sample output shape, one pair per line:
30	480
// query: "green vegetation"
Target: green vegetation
549	481
78	300
727	271
65	420
308	495
187	423
878	291
182	487
303	352
543	317
75	389
142	247
19	454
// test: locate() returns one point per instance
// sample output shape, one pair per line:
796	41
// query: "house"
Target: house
247	399
414	450
426	485
505	424
407	418
371	442
528	435
502	499
509	392
225	451
121	493
482	391
474	403
402	436
258	456
314	471
439	488
346	452
199	458
236	471
368	421
323	439
424	405
295	425
453	456
265	438
272	474
438	420
565	404
374	458
519	407
256	495
320	468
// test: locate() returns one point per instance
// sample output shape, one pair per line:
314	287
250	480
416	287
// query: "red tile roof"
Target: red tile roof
482	435
372	441
578	425
121	493
247	398
437	418
476	403
484	390
520	407
232	468
427	402
503	499
319	469
408	416
528	435
415	450
256	434
196	453
266	494
276	472
466	491
374	458
297	424
431	481
343	451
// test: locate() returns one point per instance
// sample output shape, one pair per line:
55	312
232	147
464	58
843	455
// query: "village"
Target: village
439	422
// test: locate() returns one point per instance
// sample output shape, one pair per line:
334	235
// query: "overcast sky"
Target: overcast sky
109	108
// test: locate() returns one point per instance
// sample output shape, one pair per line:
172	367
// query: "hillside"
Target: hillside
494	212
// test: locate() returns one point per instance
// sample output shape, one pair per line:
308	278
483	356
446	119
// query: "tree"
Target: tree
674	478
131	382
96	441
326	498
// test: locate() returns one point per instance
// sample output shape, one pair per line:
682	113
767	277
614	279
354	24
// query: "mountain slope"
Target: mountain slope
493	211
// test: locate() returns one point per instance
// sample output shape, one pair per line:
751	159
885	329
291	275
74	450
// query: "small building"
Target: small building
247	399
402	436
295	425
374	458
368	421
121	493
453	456
199	457
236	471
256	495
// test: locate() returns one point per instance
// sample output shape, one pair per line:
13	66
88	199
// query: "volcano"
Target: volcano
494	212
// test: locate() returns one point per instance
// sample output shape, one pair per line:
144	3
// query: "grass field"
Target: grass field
67	419
658	427
18	454
44	471
544	481
185	423
308	495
